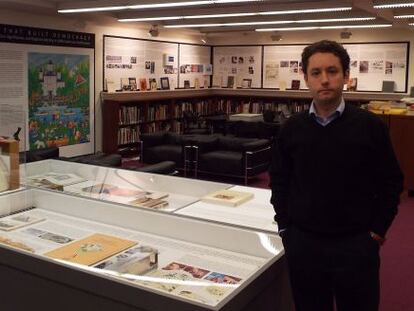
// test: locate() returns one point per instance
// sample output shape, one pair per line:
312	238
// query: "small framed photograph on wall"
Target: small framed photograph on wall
165	83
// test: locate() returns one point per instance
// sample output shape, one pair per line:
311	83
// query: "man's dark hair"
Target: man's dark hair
325	46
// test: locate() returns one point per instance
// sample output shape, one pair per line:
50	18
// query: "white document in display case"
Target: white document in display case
118	185
256	213
107	256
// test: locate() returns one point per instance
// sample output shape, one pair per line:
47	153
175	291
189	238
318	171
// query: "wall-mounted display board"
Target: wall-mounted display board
282	67
375	67
47	88
195	66
375	63
136	64
237	66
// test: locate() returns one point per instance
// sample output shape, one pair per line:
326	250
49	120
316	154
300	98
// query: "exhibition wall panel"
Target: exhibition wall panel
47	78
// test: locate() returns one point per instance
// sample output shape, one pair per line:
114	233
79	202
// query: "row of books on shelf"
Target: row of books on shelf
128	135
159	112
171	126
132	114
129	115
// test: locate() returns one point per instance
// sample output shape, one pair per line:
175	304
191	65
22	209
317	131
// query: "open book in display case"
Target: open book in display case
72	250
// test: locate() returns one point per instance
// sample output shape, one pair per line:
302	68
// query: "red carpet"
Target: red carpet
397	254
397	266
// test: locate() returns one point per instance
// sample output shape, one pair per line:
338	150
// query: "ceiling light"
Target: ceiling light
394	5
166	18
356	26
287	29
403	16
325	27
328	20
151	6
163	18
304	11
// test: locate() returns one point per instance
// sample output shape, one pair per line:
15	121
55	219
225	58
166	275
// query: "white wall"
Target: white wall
102	26
109	26
304	37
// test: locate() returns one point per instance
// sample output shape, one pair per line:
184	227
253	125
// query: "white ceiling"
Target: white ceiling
360	8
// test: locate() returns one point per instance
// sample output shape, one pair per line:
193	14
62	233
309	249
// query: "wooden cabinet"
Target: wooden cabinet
402	132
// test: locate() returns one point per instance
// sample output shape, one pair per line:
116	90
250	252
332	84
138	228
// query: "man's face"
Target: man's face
325	78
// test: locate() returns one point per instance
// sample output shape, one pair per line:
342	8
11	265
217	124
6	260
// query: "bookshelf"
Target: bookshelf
127	114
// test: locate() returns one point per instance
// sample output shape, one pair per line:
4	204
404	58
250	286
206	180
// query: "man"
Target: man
335	189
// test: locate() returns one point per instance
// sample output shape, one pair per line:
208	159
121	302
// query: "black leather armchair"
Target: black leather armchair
234	156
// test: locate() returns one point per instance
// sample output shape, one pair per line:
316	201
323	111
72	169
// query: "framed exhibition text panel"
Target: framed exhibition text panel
47	88
135	64
374	67
237	66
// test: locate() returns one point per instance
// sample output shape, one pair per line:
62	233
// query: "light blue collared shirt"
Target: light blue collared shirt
325	121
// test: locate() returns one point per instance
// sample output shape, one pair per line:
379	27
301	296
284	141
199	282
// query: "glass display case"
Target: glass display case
65	243
108	249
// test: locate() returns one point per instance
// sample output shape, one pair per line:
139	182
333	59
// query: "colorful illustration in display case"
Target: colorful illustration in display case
59	100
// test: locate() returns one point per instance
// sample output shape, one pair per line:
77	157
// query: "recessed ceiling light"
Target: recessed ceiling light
394	5
325	27
403	16
242	14
304	11
151	6
328	20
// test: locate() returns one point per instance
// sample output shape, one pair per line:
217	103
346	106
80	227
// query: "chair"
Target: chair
194	123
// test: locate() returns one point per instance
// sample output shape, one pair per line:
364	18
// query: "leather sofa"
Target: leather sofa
228	155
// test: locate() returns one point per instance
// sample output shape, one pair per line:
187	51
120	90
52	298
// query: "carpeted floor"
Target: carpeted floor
397	254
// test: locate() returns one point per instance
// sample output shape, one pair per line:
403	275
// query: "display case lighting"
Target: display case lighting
394	5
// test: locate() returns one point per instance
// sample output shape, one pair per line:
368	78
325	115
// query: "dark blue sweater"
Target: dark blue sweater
339	179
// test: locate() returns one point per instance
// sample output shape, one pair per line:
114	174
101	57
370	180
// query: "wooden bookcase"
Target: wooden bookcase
209	101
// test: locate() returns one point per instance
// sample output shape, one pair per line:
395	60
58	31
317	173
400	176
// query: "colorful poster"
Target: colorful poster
59	95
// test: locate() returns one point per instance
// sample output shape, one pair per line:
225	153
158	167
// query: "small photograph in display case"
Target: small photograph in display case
230	82
247	83
295	85
186	84
125	86
143	84
352	84
133	84
153	84
169	60
165	83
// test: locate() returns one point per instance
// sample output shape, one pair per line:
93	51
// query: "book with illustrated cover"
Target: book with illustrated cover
152	200
228	197
17	221
136	260
92	249
65	179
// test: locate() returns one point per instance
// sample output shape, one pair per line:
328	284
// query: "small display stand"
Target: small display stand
9	148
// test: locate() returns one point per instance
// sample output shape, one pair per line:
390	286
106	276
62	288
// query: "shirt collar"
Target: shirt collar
340	108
